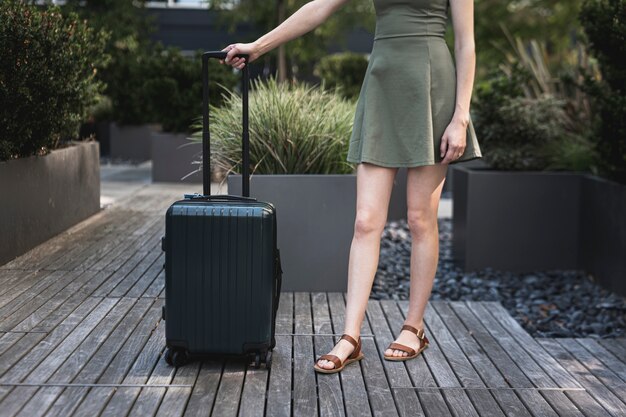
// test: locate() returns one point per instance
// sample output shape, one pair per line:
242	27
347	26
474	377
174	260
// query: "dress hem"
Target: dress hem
468	157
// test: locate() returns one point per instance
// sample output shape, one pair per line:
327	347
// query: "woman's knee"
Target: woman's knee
421	220
368	221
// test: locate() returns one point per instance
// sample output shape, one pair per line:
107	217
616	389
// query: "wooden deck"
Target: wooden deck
81	334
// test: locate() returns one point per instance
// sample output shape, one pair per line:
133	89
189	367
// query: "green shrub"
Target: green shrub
604	22
515	130
47	77
344	71
529	119
160	85
294	129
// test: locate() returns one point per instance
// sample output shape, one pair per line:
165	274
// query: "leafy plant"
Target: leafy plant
344	71
294	129
529	118
47	77
604	22
173	87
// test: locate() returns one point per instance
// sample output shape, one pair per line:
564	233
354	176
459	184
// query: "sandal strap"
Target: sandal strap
334	359
418	332
350	339
402	347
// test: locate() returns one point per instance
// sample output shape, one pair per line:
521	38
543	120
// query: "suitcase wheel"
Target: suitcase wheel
268	359
265	357
176	356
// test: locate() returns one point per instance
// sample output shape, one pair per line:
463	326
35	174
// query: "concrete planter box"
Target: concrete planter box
315	218
45	195
517	221
602	246
172	157
525	221
131	142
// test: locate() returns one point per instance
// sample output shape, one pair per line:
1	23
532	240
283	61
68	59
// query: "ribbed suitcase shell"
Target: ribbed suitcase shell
222	271
222	264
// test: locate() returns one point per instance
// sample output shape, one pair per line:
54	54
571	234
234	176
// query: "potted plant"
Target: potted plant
298	146
48	180
551	195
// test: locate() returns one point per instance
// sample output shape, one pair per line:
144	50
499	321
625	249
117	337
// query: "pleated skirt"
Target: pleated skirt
406	101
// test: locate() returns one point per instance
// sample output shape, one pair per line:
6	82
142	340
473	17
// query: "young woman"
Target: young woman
413	112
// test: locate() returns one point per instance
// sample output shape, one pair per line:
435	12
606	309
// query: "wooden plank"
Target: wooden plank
605	376
146	265
63	302
510	370
280	381
19	349
89	356
304	377
465	356
616	346
149	399
101	249
62	364
380	398
156	287
136	289
526	341
432	370
31	358
230	389
406	400
100	370
118	221
15	281
459	368
23	307
331	389
542	370
597	396
606	366
48	284
116	402
203	394
352	380
253	396
9	339
175	400
132	267
132	240
41	363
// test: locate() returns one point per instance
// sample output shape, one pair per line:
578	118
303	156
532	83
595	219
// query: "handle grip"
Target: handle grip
222	54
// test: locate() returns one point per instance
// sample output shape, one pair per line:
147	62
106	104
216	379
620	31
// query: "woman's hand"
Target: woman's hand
453	141
240	48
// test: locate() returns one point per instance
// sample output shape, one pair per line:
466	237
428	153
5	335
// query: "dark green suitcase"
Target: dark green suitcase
222	265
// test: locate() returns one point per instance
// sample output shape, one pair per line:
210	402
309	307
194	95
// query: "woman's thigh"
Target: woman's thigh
374	185
424	186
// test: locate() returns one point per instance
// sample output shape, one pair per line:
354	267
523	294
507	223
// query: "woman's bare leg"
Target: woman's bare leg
424	186
374	185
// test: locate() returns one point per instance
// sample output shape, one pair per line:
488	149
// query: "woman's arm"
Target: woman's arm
465	56
305	19
454	139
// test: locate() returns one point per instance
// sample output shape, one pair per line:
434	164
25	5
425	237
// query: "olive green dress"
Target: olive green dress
408	95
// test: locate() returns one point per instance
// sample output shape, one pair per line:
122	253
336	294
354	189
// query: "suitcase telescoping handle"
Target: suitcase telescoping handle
206	138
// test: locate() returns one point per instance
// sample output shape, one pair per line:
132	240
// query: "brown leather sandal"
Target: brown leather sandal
411	352
356	355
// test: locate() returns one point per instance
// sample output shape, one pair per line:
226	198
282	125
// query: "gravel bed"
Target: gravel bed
548	303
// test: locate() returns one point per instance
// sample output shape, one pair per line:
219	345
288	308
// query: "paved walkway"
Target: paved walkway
81	334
